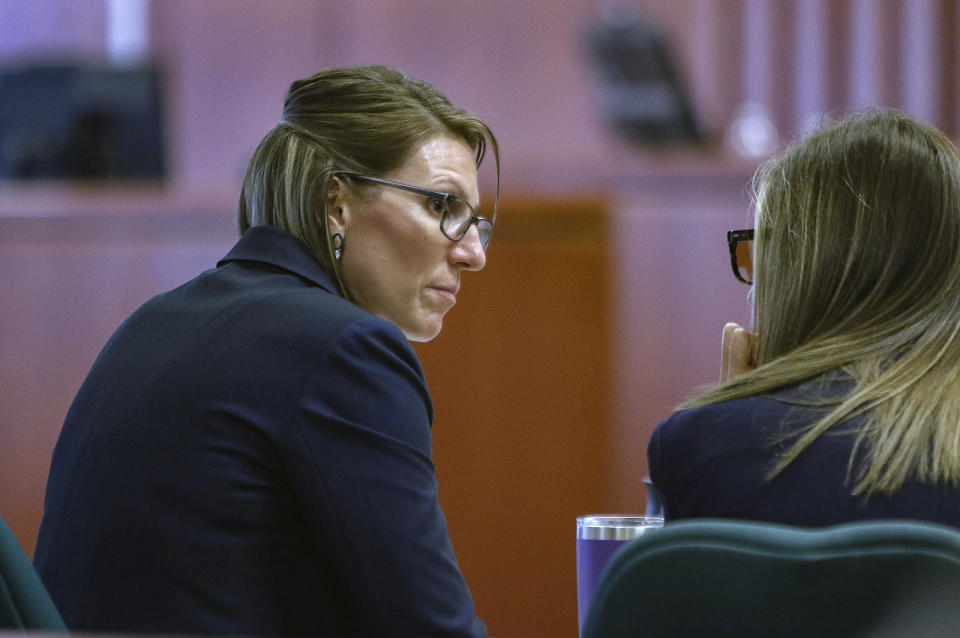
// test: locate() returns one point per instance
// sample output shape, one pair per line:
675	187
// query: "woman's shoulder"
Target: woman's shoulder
740	424
259	314
807	395
751	417
288	304
328	327
723	412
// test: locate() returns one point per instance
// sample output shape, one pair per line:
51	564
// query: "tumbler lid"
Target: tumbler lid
615	527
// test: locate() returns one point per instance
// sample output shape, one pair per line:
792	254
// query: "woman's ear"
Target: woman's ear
338	209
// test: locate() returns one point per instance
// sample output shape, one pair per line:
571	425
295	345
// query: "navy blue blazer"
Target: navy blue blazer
251	454
712	462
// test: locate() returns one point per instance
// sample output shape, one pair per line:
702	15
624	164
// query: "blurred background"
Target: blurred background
629	133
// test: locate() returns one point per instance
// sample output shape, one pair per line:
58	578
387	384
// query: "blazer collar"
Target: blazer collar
277	247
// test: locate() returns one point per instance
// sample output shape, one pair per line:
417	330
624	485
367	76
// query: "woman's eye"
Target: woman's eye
437	205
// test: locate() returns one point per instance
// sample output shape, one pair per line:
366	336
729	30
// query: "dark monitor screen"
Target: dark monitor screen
640	92
81	122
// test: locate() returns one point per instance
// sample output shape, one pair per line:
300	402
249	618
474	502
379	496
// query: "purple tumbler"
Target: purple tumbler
599	536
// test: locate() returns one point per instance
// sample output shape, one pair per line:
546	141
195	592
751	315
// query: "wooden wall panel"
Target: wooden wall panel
66	283
521	384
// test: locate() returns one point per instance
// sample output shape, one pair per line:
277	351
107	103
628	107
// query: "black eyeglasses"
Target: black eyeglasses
456	213
741	254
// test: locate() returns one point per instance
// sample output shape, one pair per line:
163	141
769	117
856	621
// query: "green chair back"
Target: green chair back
731	578
24	602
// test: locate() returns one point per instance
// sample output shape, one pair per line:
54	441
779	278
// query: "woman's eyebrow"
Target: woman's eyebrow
450	186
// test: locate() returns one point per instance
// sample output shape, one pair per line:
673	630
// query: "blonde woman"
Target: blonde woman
844	403
251	452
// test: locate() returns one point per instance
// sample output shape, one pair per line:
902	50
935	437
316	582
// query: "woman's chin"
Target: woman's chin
423	328
422	334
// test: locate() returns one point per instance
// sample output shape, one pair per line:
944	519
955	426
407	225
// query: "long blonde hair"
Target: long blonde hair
361	119
857	256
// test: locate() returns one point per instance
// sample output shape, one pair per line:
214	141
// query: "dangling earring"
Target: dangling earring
337	246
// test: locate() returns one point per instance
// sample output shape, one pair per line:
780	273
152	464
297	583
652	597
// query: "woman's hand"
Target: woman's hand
736	353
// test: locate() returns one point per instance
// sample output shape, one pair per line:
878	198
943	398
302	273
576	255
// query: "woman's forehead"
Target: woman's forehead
443	163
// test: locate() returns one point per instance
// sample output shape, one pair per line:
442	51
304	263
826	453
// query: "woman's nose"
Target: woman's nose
469	250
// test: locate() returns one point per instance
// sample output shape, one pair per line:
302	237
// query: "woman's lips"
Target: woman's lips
447	292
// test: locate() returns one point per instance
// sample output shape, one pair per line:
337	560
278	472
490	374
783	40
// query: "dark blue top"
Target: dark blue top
712	462
251	454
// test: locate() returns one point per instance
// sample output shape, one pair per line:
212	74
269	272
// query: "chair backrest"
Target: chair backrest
731	578
24	602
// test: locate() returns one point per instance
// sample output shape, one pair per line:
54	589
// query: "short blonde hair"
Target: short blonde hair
363	119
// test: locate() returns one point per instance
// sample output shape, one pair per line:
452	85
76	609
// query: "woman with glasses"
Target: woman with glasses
251	452
843	403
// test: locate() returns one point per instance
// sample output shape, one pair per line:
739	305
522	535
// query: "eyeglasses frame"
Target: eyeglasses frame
444	197
734	237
